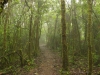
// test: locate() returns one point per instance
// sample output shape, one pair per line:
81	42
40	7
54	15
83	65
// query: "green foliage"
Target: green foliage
65	73
30	65
48	13
95	57
1	10
30	62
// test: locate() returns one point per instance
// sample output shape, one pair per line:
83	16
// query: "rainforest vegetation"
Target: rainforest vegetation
50	37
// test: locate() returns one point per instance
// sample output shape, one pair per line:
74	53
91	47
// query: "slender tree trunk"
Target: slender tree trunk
89	40
76	35
54	37
30	36
5	34
37	29
64	44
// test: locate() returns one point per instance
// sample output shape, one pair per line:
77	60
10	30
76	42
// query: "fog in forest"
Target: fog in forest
49	37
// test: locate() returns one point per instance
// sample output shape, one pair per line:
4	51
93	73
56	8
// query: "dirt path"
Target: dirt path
50	63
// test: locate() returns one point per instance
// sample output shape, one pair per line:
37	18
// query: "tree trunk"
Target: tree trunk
54	37
89	40
30	36
64	44
5	34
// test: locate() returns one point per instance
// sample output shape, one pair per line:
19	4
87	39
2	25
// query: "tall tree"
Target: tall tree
89	36
64	44
30	36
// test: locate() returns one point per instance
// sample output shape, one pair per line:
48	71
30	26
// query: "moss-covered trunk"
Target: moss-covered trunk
64	43
89	36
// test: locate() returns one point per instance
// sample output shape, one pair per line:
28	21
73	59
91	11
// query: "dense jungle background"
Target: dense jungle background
50	37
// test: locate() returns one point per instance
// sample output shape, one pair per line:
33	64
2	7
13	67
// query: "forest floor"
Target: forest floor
49	63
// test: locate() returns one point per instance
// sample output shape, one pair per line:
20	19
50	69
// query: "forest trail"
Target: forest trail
49	63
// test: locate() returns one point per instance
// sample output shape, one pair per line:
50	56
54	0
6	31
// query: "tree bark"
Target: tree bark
30	36
64	44
89	36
